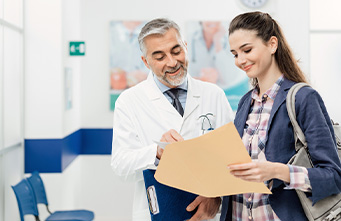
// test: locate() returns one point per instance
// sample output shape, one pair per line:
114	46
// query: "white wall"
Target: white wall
103	191
325	53
43	71
293	16
71	25
50	25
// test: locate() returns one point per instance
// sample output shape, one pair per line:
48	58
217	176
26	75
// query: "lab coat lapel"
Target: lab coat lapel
165	109
193	97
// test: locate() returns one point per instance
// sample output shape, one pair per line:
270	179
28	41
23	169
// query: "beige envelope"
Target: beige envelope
199	165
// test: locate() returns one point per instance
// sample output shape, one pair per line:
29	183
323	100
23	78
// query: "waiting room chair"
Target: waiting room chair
26	200
40	194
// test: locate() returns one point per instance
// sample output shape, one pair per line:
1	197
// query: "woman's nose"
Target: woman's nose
240	60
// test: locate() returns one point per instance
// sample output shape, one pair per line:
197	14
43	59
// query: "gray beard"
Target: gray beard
174	80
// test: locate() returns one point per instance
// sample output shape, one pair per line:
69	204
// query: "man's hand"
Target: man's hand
170	136
159	152
207	208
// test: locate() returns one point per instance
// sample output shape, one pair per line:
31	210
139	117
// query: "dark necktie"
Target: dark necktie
174	94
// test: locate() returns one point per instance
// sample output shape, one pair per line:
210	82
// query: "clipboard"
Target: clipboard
166	203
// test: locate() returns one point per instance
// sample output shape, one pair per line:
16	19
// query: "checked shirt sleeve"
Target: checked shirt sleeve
298	179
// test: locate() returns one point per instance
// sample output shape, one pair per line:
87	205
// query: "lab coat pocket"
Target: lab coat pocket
207	122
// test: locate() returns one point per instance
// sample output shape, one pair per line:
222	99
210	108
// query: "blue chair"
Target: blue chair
26	200
70	215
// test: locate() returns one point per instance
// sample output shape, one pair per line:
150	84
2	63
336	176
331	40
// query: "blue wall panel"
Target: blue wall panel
43	155
96	141
71	148
54	155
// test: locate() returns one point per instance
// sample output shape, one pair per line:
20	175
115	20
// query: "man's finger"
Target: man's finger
171	136
176	136
167	137
194	204
159	152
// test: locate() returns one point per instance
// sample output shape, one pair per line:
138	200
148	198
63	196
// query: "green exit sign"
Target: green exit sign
77	48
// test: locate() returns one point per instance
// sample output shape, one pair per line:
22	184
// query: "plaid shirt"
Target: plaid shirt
256	206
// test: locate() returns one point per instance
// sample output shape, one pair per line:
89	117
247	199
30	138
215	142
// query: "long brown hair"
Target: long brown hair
266	27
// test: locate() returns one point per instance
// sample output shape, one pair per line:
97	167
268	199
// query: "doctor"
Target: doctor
146	113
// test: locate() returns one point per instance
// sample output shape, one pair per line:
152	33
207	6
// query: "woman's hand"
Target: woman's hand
260	171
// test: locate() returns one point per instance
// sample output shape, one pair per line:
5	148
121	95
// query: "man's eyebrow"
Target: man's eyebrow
176	46
157	52
160	52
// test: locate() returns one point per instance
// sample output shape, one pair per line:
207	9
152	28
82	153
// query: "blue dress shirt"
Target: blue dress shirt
182	93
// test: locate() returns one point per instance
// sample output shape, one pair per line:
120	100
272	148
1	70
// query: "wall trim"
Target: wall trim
55	155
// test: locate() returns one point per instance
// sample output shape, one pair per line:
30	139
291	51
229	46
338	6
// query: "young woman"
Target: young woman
262	121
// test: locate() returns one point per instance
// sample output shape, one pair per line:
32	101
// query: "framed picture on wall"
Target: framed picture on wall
210	58
126	66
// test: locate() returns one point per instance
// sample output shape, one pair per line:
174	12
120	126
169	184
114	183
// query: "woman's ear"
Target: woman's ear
273	44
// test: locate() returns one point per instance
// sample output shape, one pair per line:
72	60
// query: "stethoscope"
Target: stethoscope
205	117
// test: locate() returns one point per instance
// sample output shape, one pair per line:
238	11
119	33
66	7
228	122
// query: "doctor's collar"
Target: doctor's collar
164	88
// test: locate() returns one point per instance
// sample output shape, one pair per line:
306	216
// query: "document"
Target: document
161	144
199	165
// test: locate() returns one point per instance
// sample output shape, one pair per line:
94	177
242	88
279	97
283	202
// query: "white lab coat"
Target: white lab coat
143	114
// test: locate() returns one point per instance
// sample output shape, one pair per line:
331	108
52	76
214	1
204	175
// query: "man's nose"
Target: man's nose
171	61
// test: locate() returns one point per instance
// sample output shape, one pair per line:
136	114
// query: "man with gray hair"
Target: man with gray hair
168	107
